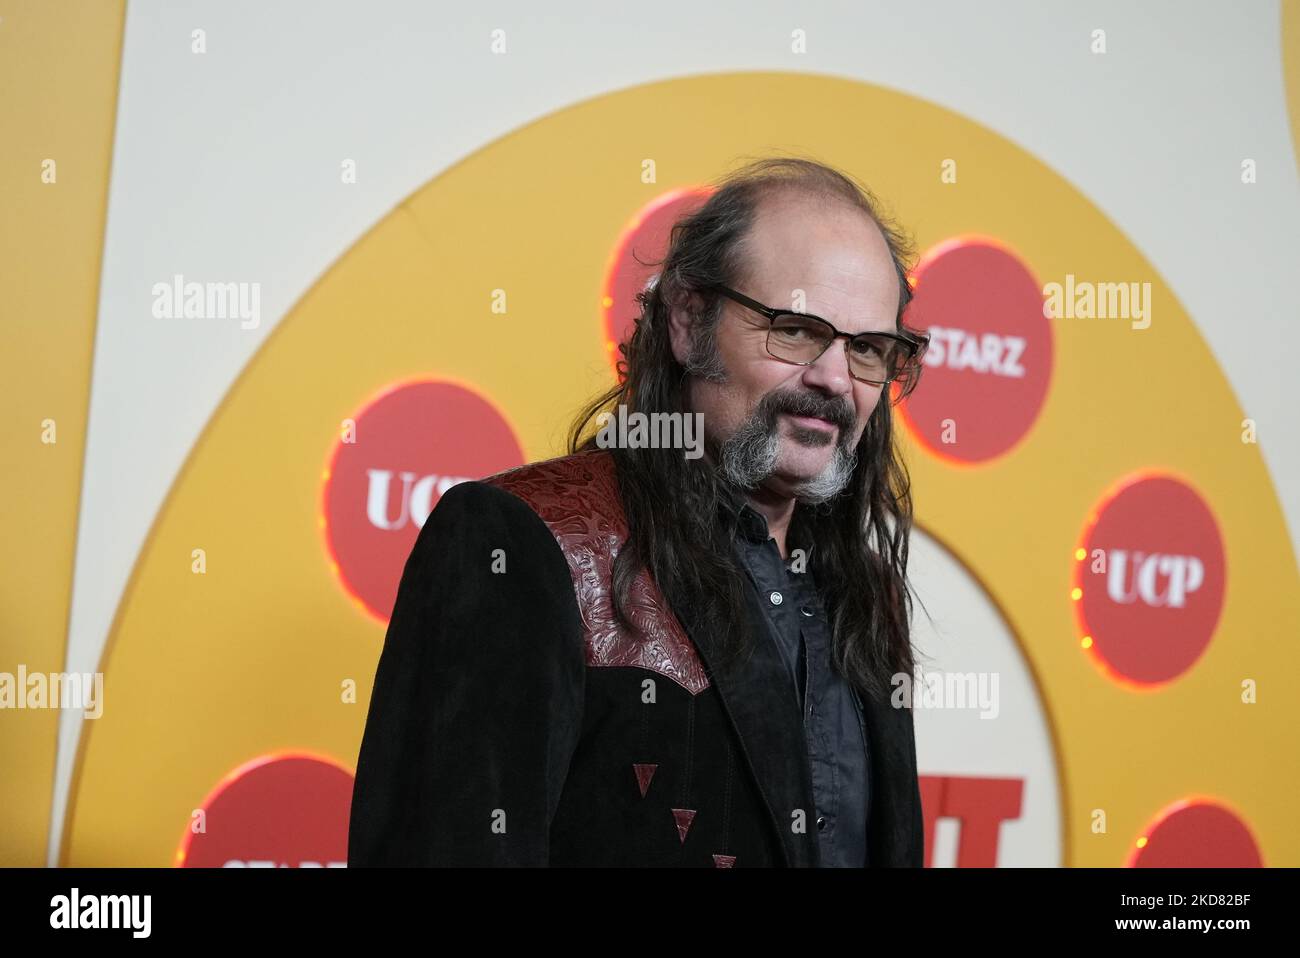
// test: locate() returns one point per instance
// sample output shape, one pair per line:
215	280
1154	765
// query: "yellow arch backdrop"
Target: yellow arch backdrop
1291	69
58	70
207	671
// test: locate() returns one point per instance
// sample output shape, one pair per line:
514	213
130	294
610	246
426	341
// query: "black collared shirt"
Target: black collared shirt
832	711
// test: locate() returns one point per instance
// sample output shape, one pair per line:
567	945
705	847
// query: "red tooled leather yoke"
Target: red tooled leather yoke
577	497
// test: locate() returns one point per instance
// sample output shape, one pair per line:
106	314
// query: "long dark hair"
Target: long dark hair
676	529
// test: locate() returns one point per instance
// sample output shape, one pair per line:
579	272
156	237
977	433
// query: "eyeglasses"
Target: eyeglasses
800	339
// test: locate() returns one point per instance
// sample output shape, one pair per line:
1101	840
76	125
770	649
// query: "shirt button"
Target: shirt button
776	598
807	611
821	823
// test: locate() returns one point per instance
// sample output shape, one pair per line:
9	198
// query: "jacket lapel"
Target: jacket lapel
759	701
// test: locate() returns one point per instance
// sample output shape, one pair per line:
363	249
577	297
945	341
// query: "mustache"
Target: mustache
836	411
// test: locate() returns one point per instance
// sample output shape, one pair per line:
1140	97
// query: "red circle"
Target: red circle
1197	833
1152	578
990	357
634	264
411	443
285	810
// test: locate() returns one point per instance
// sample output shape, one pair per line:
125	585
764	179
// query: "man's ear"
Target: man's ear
681	321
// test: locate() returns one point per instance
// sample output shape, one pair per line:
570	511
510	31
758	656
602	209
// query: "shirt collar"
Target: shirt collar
747	521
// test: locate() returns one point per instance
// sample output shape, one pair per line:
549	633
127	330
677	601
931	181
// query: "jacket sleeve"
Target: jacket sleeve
914	857
477	701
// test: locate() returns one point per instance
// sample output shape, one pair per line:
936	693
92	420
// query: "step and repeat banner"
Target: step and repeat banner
1110	589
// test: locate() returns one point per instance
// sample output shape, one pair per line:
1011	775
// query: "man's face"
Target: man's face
792	429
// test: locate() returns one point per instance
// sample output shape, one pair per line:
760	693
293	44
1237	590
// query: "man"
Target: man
632	656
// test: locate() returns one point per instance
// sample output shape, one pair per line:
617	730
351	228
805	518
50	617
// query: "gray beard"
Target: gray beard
748	458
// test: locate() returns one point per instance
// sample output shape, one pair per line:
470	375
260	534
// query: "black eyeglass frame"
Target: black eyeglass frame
915	345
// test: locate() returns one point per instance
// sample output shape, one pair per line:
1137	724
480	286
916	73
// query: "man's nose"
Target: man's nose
830	372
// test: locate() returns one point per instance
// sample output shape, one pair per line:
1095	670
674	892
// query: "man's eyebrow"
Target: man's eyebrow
892	322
